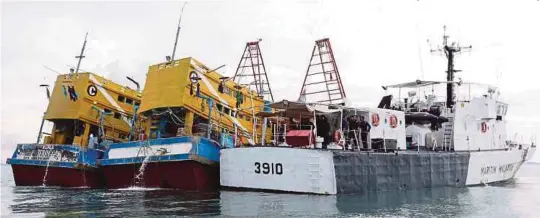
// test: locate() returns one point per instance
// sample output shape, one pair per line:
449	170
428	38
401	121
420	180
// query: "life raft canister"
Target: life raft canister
393	121
375	120
484	127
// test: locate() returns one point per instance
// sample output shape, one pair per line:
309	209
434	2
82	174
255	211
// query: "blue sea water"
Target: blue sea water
519	198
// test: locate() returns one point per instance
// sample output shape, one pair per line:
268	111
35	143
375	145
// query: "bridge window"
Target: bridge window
107	110
219	107
226	110
121	98
137	103
122	136
117	115
129	101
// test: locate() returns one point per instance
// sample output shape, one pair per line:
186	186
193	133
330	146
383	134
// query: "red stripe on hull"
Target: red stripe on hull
183	175
30	175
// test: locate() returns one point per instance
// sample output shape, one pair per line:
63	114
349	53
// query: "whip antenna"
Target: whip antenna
178	31
81	56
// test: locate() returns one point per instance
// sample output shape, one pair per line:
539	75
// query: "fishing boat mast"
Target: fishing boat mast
322	80
177	32
252	65
81	56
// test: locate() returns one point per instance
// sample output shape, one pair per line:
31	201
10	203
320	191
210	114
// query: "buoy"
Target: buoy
375	120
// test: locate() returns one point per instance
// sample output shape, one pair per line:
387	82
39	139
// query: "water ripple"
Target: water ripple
516	199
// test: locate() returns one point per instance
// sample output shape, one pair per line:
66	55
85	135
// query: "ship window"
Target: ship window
129	101
122	136
117	115
107	110
94	130
79	128
121	98
219	107
226	110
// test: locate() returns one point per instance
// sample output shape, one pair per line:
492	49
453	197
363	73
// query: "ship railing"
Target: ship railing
464	91
220	133
353	139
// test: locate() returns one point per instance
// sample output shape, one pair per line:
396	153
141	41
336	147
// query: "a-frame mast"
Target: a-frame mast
251	71
322	81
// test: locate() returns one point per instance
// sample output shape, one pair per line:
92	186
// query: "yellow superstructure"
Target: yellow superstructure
171	88
73	103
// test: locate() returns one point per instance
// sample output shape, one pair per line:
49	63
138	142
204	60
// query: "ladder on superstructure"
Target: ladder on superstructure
448	131
252	72
322	81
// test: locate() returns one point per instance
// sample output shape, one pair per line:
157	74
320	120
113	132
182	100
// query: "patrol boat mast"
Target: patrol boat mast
450	51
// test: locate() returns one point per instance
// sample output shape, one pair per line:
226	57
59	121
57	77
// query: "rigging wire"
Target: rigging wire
419	52
48	68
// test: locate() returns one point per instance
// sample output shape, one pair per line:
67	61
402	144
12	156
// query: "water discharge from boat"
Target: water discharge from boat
84	170
139	177
46	171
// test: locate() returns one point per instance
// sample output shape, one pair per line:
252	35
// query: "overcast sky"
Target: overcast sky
375	43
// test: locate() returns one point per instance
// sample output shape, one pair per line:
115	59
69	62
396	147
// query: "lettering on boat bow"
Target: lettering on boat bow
46	152
497	169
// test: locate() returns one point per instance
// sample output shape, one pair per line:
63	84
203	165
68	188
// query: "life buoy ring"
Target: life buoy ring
484	127
393	121
337	136
375	120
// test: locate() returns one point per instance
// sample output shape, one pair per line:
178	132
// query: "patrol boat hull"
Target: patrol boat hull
185	163
56	165
343	172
